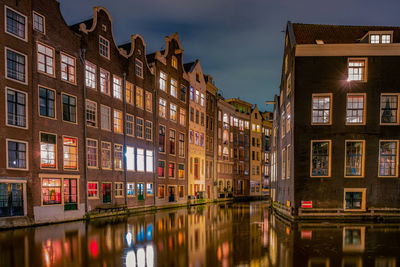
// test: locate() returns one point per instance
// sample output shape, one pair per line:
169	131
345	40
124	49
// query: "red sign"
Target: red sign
306	234
306	204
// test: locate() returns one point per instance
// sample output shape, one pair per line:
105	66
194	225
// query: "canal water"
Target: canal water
239	234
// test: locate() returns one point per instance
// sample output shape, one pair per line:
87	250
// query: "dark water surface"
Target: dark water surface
241	234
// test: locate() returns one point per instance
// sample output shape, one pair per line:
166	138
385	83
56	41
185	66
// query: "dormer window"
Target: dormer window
174	62
380	37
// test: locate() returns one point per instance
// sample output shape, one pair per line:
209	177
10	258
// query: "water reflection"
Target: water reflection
243	234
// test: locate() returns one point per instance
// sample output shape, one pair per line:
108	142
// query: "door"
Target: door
208	192
171	193
140	190
70	194
11	200
106	192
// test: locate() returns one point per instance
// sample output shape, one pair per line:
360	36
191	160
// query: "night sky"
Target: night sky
238	42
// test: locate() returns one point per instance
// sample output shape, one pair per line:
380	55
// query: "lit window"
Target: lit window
69	108
38	22
389	109
104	82
48	150
51	191
149	161
162	108
91	113
163	81
321	109
104	47
130	158
118	157
129	96
106	155
196	138
139	68
357	69
181	145
130	124
174	88
119	189
17	107
191	93
182	117
354	158
202	100
45	59
149	130
172	142
117	87
183	93
90	75
70	193
139	97
140	159
388	158
149	102
105	117
197	96
181	191
174	62
70	146
149	188
93	190
320	158
91	146
161	139
130	189
172	112
139	127
67	68
16	66
374	38
161	191
171	170
161	168
385	38
181	171
289	84
355	108
15	23
117	121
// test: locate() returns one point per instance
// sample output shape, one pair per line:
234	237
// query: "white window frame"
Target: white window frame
6	65
26	108
5	23
107	46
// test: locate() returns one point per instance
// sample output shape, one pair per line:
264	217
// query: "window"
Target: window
161	191
196	138
380	38
16	66
202	100
139	68
118	157
197	116
129	96
191	114
149	130
140	159
389	109
117	87
91	145
149	188
70	194
385	38
174	88
38	22
197	96
45	59
139	127
172	142
284	161
105	117
91	113
93	190
181	171
129	124
183	93
182	117
106	155
201	139
181	145
171	170
70	148
149	161
172	112
191	137
181	191
354	199
117	121
196	169
139	97
289	84
355	110
388	158
130	158
69	108
354	163
162	108
321	109
17	108
48	150
320	158
119	189
51	191
67	68
357	69
202	119
149	102
287	119
163	81
161	139
130	189
104	82
191	96
104	47
90	75
15	23
161	168
174	62
17	153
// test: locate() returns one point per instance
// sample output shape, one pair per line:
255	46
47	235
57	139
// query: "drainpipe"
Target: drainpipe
124	129
155	131
215	138
83	60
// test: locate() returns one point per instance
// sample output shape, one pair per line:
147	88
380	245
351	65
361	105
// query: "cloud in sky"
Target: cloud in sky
239	42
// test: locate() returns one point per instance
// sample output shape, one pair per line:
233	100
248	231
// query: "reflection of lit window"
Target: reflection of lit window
352	261
130	259
318	262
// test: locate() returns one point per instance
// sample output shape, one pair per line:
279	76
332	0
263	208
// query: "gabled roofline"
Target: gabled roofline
292	37
162	57
133	39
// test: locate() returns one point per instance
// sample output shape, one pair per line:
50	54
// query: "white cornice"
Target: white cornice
328	50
